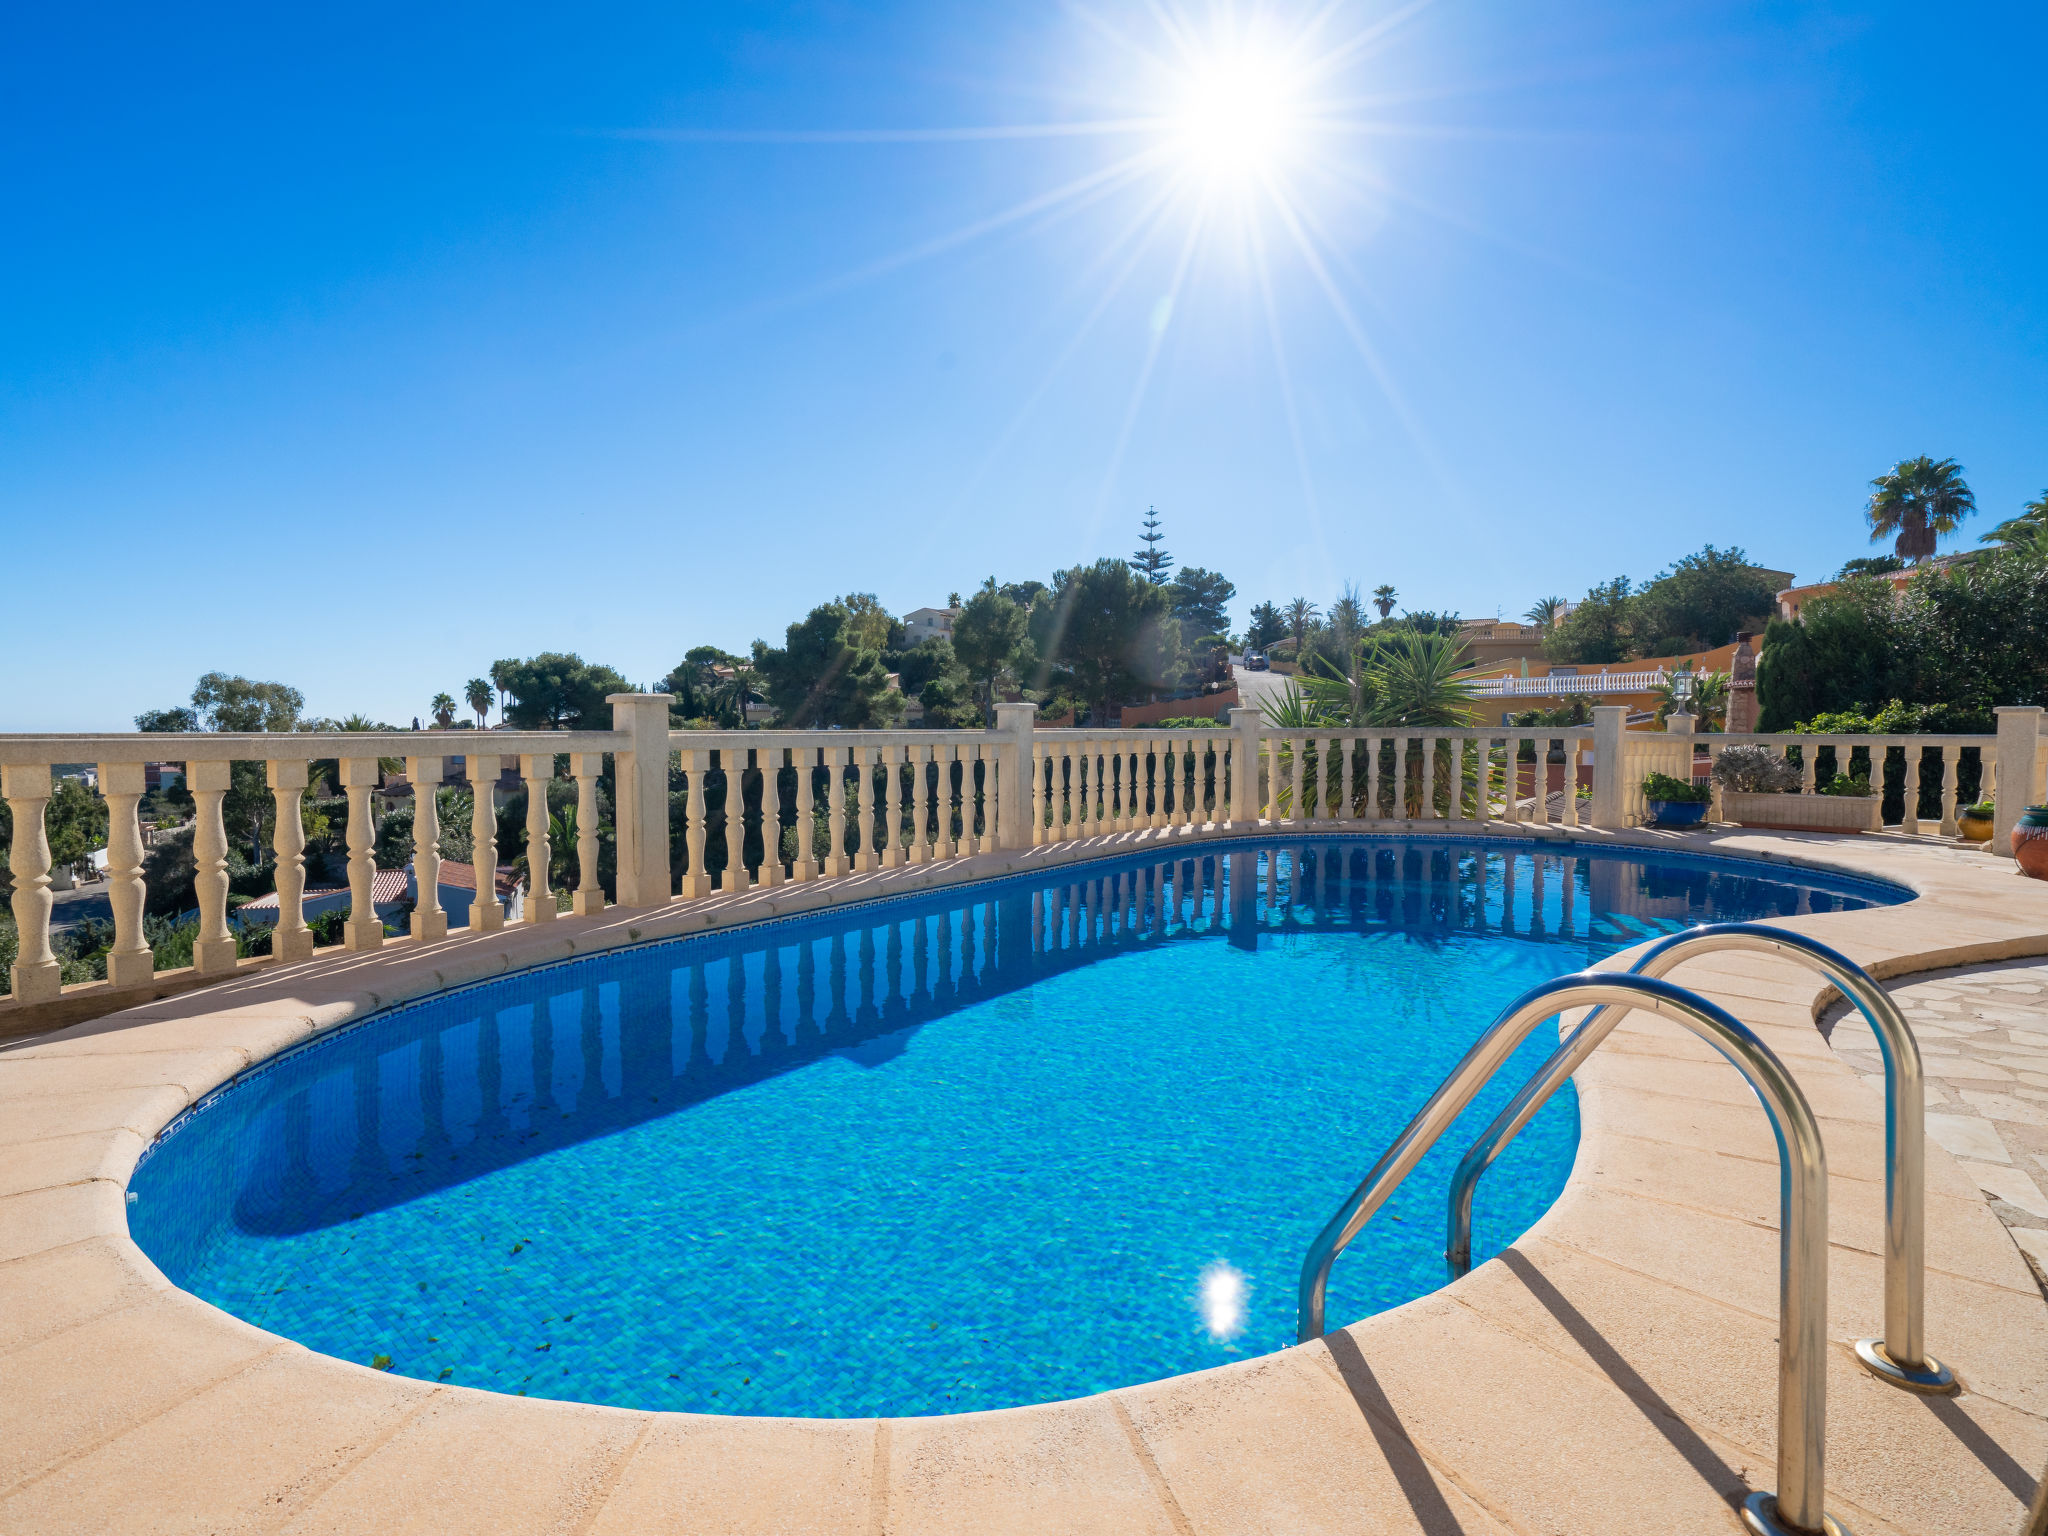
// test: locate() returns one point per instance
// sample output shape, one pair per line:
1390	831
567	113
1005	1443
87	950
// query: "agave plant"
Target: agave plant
1405	680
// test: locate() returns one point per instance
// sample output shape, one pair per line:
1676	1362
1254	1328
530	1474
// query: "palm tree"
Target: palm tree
1915	502
501	679
2027	531
1546	612
1383	598
1347	615
444	710
477	693
1300	614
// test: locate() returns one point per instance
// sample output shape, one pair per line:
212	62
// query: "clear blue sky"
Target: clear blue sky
358	348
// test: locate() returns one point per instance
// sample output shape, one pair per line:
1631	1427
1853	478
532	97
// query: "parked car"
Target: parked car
1255	661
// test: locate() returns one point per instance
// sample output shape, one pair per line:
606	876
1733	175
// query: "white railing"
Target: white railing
758	808
1556	686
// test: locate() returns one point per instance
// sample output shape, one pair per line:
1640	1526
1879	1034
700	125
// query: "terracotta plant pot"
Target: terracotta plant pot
2030	842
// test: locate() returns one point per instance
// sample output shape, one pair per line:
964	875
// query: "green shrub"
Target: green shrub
1842	784
1661	786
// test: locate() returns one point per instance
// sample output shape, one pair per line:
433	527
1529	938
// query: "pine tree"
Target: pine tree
1152	562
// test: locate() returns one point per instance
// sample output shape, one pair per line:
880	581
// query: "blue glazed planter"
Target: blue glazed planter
1678	813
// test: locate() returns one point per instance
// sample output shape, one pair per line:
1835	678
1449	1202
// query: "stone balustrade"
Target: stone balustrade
1930	767
698	815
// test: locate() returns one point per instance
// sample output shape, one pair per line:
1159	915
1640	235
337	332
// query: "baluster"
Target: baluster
1429	811
1809	754
1571	781
364	928
1401	777
1153	750
865	859
805	760
1039	758
1346	774
696	763
1909	823
292	940
429	921
920	804
36	975
129	962
942	801
837	760
1084	784
538	770
1539	782
889	807
984	756
486	913
1457	805
732	762
1987	773
771	818
1951	769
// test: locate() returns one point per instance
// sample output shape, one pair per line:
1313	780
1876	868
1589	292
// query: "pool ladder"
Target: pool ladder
1798	1505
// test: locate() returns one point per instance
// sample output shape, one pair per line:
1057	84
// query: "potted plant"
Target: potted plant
1761	789
1676	802
1974	821
2030	841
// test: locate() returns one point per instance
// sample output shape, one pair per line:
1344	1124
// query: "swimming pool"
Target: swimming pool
996	1145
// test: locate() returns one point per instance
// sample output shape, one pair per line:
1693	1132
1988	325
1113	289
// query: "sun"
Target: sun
1238	113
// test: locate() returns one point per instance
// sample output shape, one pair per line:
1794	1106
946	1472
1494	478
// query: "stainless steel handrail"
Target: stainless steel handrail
1800	1501
1900	1357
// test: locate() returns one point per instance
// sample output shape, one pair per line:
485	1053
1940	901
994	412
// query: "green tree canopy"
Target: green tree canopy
871	626
1597	631
476	693
177	718
1968	637
225	703
559	691
822	676
74	822
1699	602
1201	601
991	636
1112	629
1265	627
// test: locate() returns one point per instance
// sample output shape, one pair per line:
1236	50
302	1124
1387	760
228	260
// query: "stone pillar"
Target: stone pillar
36	976
429	921
364	928
129	962
538	769
1013	760
589	899
486	912
640	770
213	952
1610	727
291	940
2019	769
1742	687
1244	766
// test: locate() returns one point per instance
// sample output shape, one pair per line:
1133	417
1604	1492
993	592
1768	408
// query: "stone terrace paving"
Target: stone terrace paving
1615	1371
1984	1041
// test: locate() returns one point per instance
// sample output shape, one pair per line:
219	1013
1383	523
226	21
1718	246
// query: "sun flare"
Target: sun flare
1238	113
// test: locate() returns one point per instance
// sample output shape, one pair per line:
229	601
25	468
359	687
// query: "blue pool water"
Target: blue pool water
938	1153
